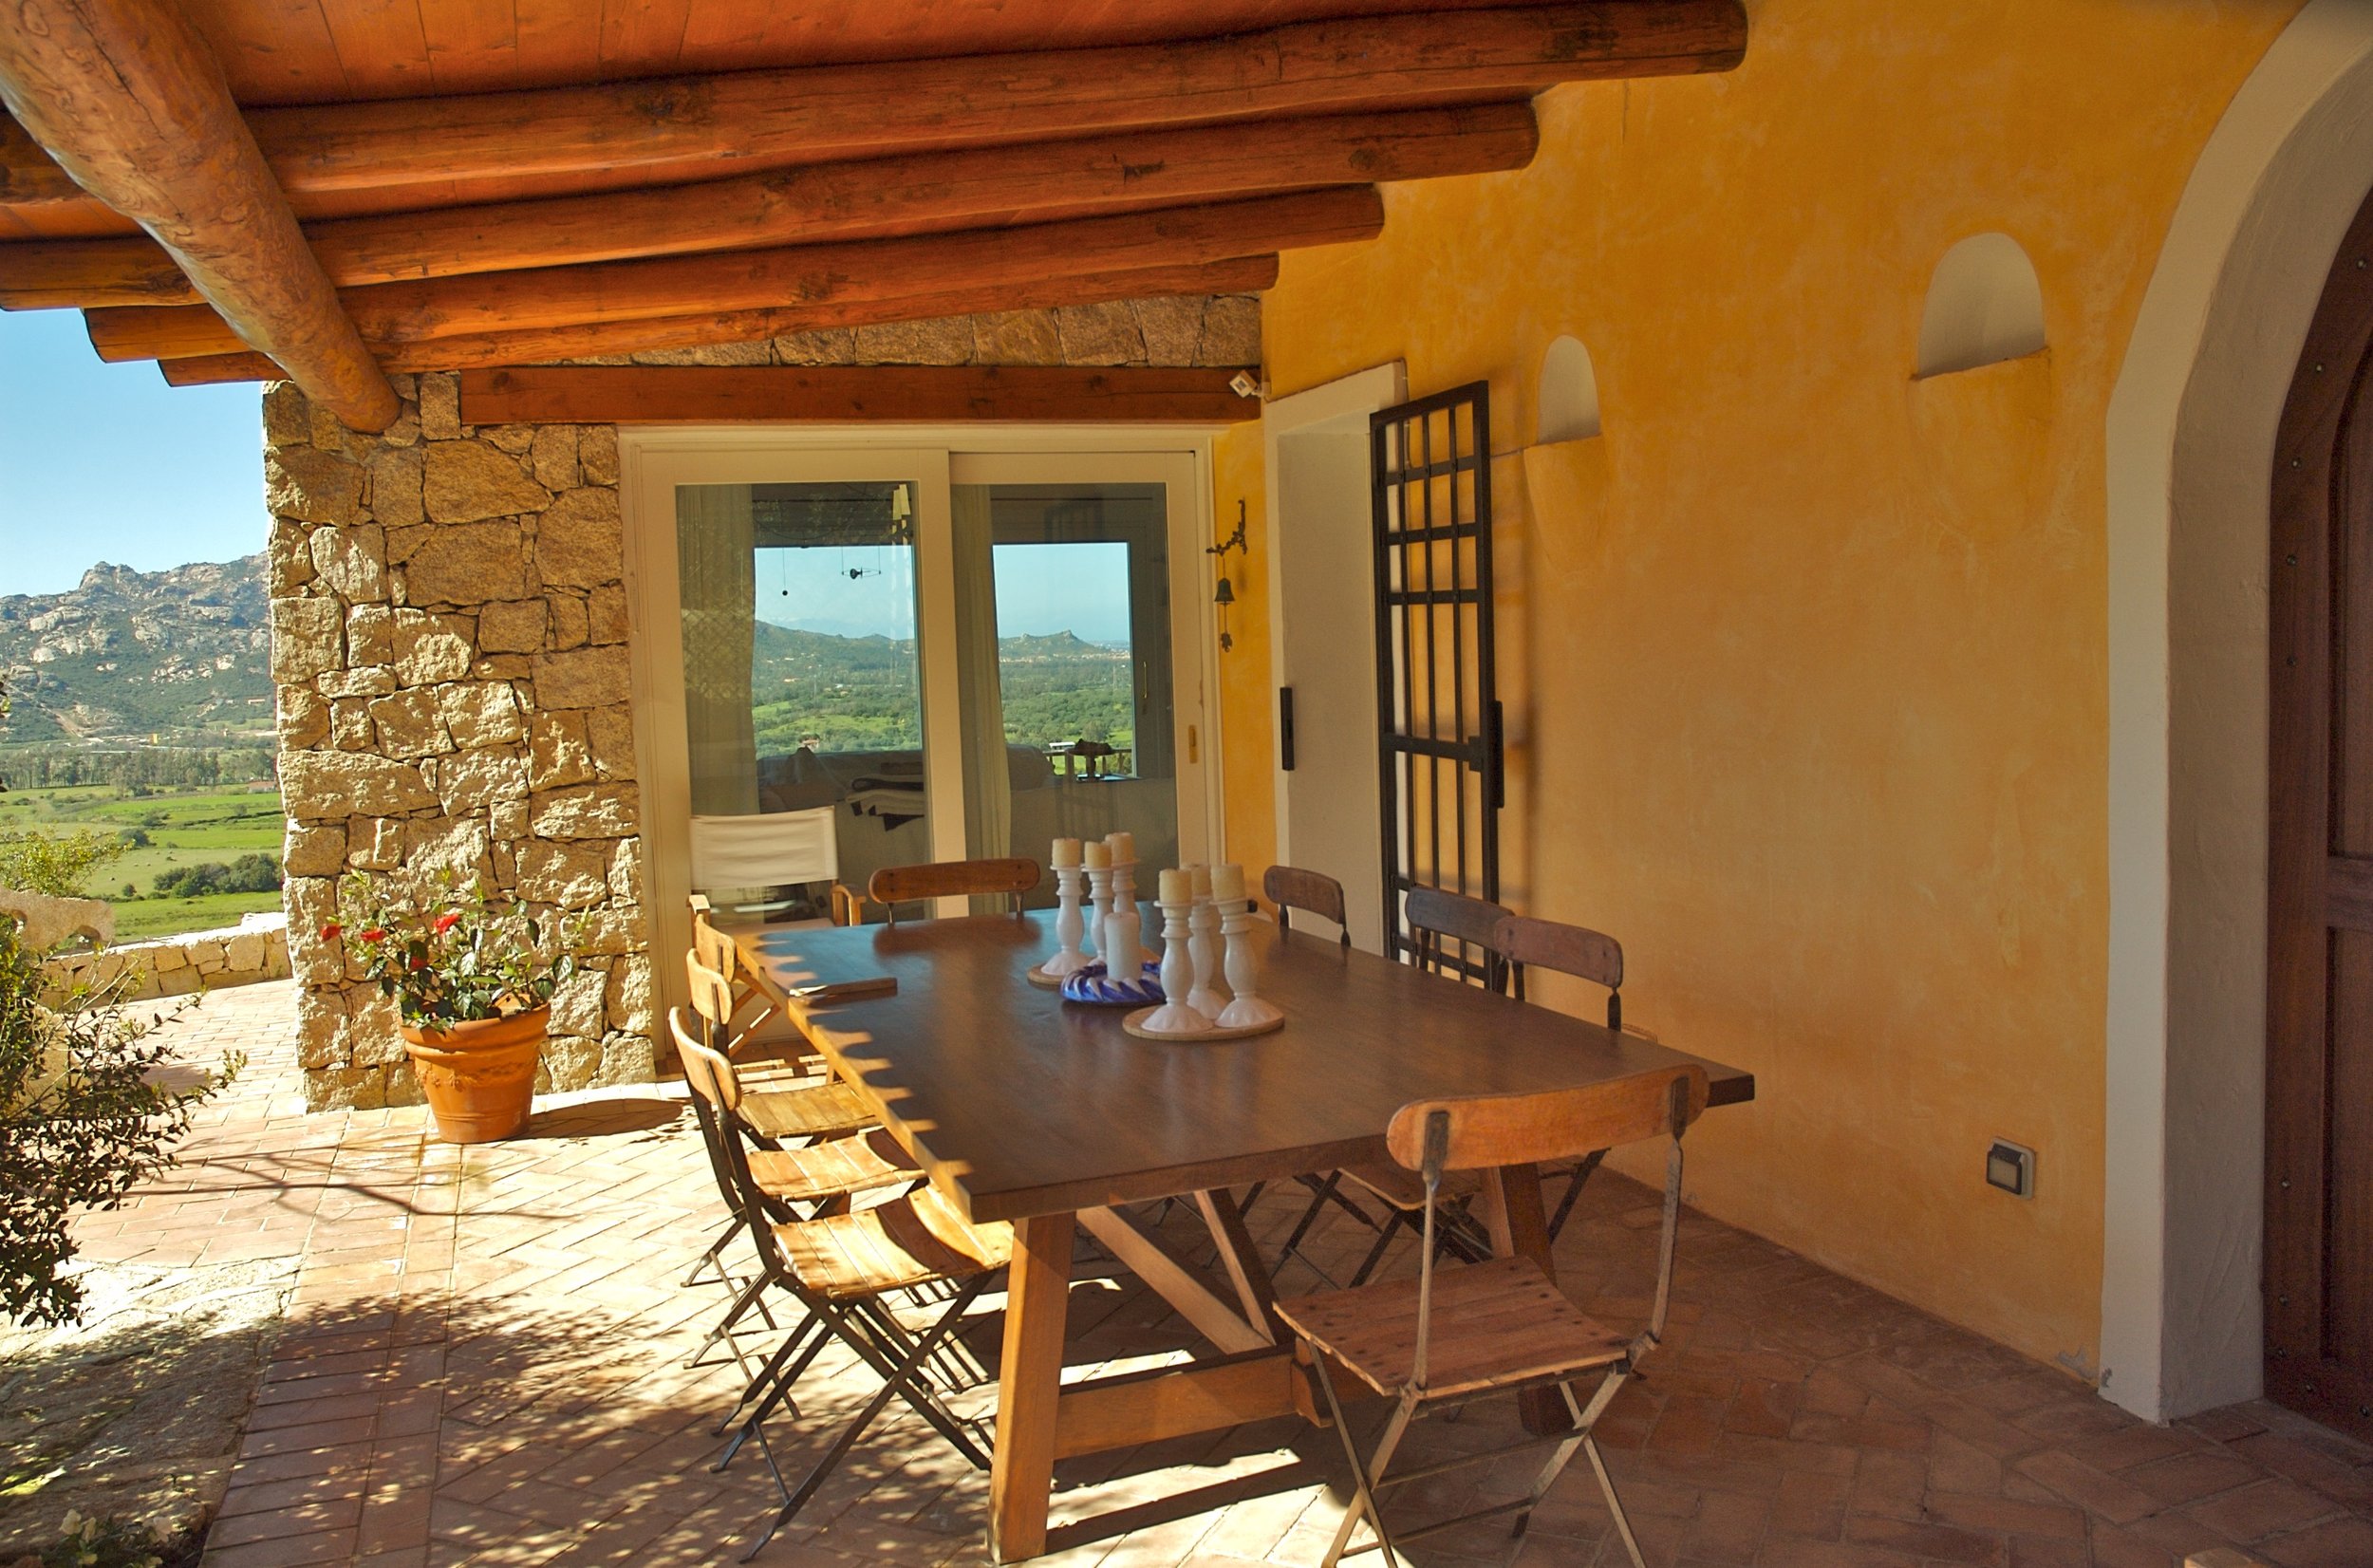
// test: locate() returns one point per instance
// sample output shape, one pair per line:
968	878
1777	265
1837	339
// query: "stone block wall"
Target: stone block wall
250	953
449	644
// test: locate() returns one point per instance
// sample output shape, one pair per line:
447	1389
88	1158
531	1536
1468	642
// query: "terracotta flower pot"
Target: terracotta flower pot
479	1078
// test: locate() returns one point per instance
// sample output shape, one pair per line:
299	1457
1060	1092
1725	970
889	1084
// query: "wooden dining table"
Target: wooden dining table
1023	1107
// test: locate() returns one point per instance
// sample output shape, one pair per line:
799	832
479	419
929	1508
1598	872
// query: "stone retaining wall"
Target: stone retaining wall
249	953
449	645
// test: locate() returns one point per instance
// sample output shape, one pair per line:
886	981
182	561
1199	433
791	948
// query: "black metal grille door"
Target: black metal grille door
1437	703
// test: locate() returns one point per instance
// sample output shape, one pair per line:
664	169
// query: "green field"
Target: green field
185	827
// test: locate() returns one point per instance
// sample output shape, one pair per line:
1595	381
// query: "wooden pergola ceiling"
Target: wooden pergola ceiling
333	189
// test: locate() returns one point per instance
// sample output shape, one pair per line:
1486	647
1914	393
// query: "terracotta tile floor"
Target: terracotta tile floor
484	1363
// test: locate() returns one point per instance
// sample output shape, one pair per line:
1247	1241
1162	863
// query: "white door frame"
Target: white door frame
1343	403
654	460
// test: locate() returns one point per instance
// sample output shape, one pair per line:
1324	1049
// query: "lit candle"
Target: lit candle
1177	886
1066	852
1228	884
1124	847
1202	880
1097	855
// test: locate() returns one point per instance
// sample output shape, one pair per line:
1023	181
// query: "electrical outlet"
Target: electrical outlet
2011	1167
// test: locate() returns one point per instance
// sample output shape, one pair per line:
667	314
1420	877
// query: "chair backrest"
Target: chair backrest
1469	1132
1576	950
766	848
713	946
1314	893
1554	1124
713	999
896	884
1436	916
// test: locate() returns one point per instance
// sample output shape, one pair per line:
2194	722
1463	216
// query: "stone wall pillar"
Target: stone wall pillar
449	642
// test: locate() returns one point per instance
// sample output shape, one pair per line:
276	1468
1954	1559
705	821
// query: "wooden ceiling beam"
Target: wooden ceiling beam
863	198
128	99
448	151
1244	275
638	394
844	272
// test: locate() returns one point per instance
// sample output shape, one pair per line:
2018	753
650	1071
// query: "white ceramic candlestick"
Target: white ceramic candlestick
1099	908
1176	1016
1123	925
1243	972
1203	945
1070	881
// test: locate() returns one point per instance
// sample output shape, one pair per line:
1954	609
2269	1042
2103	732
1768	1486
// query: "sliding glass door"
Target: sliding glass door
868	657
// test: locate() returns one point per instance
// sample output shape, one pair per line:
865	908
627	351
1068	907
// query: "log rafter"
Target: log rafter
812	275
447	151
831	201
126	94
1246	275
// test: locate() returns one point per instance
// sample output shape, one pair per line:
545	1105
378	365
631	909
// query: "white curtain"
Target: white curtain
988	784
715	563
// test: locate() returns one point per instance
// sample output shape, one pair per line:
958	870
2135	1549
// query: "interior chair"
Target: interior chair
1524	943
843	1269
768	849
1435	919
1012	878
1290	887
1459	1331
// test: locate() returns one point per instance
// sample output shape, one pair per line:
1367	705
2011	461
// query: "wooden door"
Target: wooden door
2319	1062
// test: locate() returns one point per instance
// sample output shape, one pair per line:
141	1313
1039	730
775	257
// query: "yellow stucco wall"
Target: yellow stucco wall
1814	653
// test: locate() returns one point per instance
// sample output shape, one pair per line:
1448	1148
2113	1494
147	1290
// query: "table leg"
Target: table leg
1030	1377
1518	1230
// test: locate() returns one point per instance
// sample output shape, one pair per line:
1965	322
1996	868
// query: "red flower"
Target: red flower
374	934
329	932
419	963
445	922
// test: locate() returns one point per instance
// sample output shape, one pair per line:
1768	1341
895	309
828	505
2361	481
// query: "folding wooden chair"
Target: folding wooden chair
1433	917
895	884
1290	887
1524	943
1459	1332
1438	918
814	1111
840	1268
757	1000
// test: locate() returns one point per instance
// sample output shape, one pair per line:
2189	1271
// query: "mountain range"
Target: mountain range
180	657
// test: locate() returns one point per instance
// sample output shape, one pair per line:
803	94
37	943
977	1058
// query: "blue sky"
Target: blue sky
106	462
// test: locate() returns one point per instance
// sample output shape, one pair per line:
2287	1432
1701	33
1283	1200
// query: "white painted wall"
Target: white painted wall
2191	441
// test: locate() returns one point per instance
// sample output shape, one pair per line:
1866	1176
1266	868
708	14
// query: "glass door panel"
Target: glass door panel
803	688
1064	656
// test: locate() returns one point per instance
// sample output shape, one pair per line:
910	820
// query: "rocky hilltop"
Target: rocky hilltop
179	656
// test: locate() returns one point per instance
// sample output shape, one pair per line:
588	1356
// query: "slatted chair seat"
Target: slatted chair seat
828	1110
839	1168
1496	1325
1405	1190
913	1240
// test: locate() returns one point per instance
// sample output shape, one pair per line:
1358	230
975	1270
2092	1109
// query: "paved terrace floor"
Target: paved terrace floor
482	1361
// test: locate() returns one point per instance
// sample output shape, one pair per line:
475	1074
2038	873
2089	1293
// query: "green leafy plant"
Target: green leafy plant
59	865
451	954
110	1542
82	1122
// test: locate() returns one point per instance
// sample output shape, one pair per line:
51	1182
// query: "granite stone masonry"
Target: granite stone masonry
449	645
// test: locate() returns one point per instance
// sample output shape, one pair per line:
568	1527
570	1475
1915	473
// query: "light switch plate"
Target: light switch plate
2011	1167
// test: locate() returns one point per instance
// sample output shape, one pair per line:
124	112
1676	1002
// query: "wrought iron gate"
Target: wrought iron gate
1440	752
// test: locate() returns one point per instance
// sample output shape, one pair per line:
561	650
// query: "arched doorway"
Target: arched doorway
2319	945
2191	444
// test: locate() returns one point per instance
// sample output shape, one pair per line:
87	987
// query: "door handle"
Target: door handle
1285	728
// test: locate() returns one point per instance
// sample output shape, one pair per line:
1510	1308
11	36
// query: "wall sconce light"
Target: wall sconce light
1225	594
